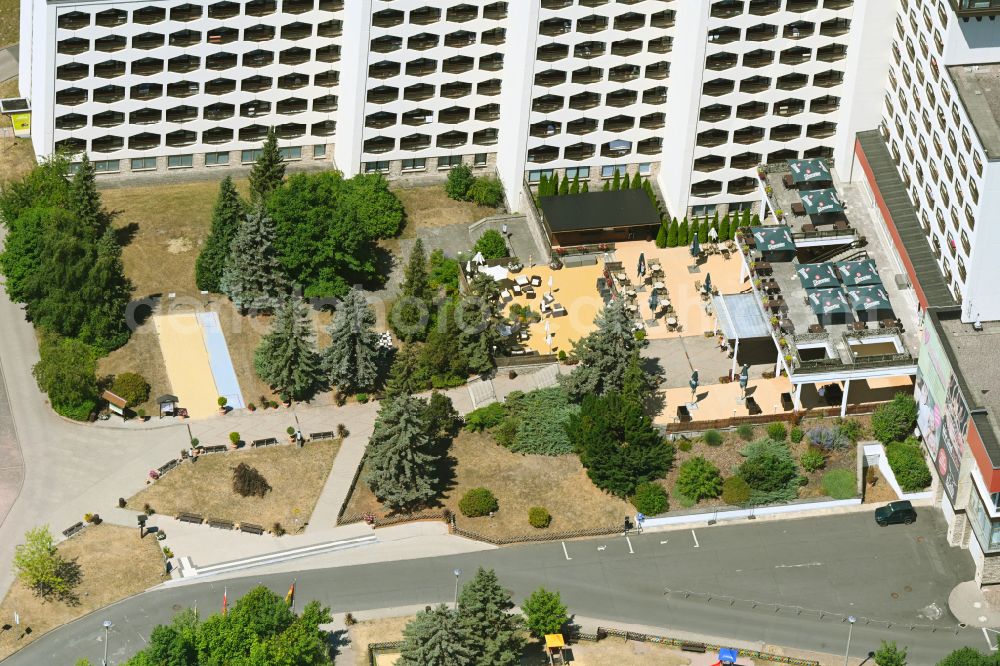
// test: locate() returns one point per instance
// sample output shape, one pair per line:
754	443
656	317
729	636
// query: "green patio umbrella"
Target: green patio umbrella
809	171
822	202
828	301
775	238
695	246
708	283
817	276
869	299
858	273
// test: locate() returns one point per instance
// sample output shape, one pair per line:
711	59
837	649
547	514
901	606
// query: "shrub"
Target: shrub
542	416
221	401
796	434
460	179
131	386
234	437
278	529
247	481
840	484
650	499
684	445
66	371
538	516
699	479
851	429
506	432
290	430
484	418
167	553
770	471
478	502
486	192
745	432
907	462
813	459
777	431
735	491
361	397
894	421
828	439
712	437
492	244
661	236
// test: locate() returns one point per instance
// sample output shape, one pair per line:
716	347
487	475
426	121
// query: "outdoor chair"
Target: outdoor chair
788	181
516	289
683	415
506	296
536	281
752	407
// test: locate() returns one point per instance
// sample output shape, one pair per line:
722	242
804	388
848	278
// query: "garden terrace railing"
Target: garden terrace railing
759	419
353	518
375	649
702	647
521	361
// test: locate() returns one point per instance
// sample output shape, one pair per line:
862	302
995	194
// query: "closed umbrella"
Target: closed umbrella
744	377
708	283
479	258
713	235
641	270
653	300
695	246
693	383
546	326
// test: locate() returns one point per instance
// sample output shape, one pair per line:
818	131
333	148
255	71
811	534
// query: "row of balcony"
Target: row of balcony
594	23
181	89
390	18
422	91
618	74
182	138
417	117
428	40
588	100
786	107
580	126
757	84
111	18
415	142
731	8
592	49
458	64
762	57
584	151
764	32
183	113
747	135
716	162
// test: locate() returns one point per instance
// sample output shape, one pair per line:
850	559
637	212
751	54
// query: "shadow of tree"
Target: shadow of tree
125	235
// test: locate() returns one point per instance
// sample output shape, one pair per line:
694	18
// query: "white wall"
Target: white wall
516	88
353	79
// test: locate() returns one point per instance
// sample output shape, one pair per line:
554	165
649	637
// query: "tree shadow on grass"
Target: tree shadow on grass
125	235
68	571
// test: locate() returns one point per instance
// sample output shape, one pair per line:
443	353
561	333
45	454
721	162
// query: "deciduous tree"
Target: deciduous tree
39	565
66	371
544	612
888	654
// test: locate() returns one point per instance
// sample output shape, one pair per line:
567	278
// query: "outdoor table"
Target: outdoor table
808	228
654	267
841	225
658	285
630	293
764	268
621	277
859	326
523	281
536	281
888	323
775	303
816	328
798	209
788	181
671	321
787	326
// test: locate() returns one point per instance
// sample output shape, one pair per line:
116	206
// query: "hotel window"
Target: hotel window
180	161
536	175
291	152
645	169
217	159
415	164
247	156
382	166
581	172
609	171
480	159
143	163
106	166
449	162
319	151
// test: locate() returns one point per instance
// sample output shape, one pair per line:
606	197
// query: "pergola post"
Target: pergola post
736	351
843	400
798	397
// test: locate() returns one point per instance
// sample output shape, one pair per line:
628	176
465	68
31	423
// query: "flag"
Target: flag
290	597
17	619
225	600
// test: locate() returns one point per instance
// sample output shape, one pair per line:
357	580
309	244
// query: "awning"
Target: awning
821	202
554	641
773	239
809	171
828	301
858	273
495	272
166	399
740	317
817	276
864	299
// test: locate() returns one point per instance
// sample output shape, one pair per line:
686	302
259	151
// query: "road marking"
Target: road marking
566	552
629	541
663	542
993	647
695	537
602	547
798	566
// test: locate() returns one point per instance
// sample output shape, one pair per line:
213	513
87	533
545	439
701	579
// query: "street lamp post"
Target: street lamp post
107	627
458	573
850	630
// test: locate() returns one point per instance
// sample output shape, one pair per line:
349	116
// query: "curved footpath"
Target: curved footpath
889	578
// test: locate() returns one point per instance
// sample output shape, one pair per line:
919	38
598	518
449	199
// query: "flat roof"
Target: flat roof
599	210
975	356
978	87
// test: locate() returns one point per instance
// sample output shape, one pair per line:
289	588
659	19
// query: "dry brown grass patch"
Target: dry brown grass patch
205	487
430	206
10	22
114	564
17	156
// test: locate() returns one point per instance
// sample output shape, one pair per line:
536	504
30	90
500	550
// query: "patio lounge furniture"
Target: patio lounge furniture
816	328
558	310
786	402
536	281
788	181
808	228
506	296
683	415
841	225
798	209
859	325
529	292
523	281
516	289
548	298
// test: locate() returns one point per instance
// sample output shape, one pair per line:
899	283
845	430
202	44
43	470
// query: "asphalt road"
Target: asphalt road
891	577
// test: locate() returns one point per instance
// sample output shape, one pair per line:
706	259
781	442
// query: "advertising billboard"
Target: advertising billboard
943	415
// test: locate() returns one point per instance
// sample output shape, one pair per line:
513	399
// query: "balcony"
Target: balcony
298	56
751	110
799	30
741	186
144	141
261	7
795	56
620	98
461	14
543	154
709	163
837	4
73	21
421	67
457	64
660	45
549	78
108	119
325	103
488	88
296	31
326	79
552	52
180	138
217	135
107	144
745	160
72	96
297	6
581	126
591	24
145	117
452	139
387	18
755	84
76	46
706	188
825	104
495	36
488	112
664	19
588	75
748	135
786	132
456	89
416	117
109	69
715	113
557	4
789	107
555	26
223	10
547	103
761	33
652	121
220	87
379	144
491	63
626	47
801	5
218	61
828	79
253	133
258	58
383	95
835	27
720	61
712	138
223	35
147	41
255	108
718	87
144	91
293	81
727	8
423	41
486	137
495	12
631	21
579	151
587	50
185	38
425	16
218	111
290	130
324	128
763	7
658	71
73	71
623	73
619	124
723	35
459	39
71	121
183	13
758	58
821	130
831	52
415	142
651	146
791	81
453	115
616	149
71	146
256	84
386	44
383	70
544	129
582	101
182	89
416	93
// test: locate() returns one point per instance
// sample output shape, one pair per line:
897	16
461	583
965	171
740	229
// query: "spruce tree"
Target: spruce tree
636	182
108	291
672	231
607	185
286	357
351	361
404	375
554	185
724	229
85	202
683	233
225	219
268	171
586	187
604	354
575	187
253	278
543	186
437	638
564	187
484	608
401	465
703	231
745	221
616	182
477	318
410	314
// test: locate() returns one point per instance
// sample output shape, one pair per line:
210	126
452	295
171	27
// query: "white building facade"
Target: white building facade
691	93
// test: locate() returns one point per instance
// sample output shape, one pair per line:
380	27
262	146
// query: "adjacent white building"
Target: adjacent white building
691	93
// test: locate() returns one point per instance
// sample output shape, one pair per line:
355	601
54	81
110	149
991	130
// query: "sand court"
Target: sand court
190	344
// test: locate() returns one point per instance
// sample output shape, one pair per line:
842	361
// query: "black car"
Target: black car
894	513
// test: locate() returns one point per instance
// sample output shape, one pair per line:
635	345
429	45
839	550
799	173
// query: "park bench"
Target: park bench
689	646
214	449
325	434
72	529
264	442
168	466
221	524
250	528
190	518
